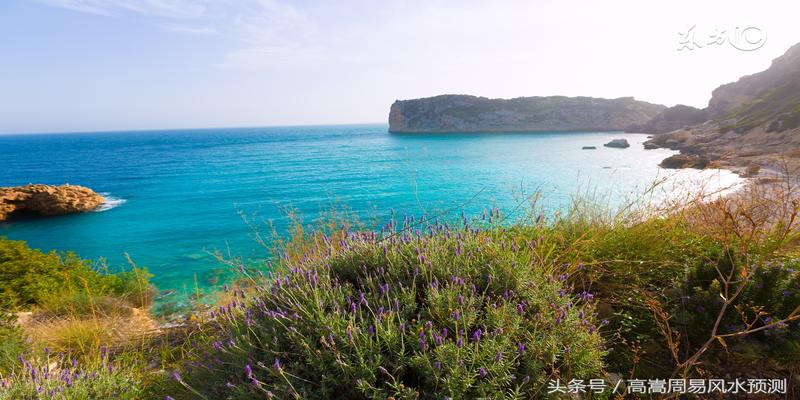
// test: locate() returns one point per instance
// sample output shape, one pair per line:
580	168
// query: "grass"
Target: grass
474	308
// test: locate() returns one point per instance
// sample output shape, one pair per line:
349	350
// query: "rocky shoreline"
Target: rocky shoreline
751	126
46	200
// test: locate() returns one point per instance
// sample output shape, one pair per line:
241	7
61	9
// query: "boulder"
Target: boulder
752	170
650	146
684	161
618	143
47	200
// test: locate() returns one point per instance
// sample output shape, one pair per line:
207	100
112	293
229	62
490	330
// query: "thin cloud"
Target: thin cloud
160	8
191	30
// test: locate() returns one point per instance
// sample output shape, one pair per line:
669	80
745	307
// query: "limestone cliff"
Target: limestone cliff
46	200
677	117
753	121
462	113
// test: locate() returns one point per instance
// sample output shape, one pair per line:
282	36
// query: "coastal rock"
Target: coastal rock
589	148
650	146
462	113
752	170
755	120
684	161
618	143
47	200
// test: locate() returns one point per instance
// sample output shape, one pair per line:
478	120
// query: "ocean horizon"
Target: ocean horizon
176	196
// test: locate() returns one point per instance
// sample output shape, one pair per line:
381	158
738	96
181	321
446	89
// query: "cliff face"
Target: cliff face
753	121
776	85
673	118
462	113
46	200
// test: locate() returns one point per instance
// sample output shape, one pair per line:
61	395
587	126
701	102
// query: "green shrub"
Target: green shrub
64	282
459	313
59	377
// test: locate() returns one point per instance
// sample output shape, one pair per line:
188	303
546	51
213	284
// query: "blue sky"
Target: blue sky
85	65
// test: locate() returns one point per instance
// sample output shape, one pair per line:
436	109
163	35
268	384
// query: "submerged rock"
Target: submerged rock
47	200
650	146
618	143
589	148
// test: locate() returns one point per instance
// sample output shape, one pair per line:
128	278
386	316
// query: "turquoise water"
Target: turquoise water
176	195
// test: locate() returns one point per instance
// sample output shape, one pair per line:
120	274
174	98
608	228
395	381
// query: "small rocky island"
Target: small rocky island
46	200
618	143
462	113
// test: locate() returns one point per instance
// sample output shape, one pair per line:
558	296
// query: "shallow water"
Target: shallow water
176	195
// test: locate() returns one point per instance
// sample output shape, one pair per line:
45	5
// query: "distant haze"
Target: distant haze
86	65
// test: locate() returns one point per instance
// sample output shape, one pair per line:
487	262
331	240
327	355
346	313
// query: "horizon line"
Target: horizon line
100	131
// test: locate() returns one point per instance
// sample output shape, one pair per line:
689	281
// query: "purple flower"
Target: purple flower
477	335
460	299
437	365
521	348
248	370
498	357
422	340
483	372
169	398
455	315
520	310
277	364
176	376
371	330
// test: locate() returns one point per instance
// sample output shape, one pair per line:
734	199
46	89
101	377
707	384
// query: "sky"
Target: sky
95	65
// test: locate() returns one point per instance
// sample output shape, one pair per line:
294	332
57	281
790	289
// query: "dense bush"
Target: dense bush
60	377
772	293
30	278
459	313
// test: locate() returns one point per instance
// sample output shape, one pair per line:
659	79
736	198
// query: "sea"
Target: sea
177	197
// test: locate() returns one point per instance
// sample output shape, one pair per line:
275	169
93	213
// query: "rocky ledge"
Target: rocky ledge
46	200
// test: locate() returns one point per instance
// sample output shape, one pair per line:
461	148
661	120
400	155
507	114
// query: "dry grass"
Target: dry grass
85	335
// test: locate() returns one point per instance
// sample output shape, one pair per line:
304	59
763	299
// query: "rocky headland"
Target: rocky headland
462	113
46	200
750	123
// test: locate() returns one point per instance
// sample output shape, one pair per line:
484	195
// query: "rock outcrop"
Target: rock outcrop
684	161
618	143
673	118
753	121
462	113
46	200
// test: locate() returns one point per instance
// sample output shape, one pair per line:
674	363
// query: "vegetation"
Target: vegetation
483	308
31	278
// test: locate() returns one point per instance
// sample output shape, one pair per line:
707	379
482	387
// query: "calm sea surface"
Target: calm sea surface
175	196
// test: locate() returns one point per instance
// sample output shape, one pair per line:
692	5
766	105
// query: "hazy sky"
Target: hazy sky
80	65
